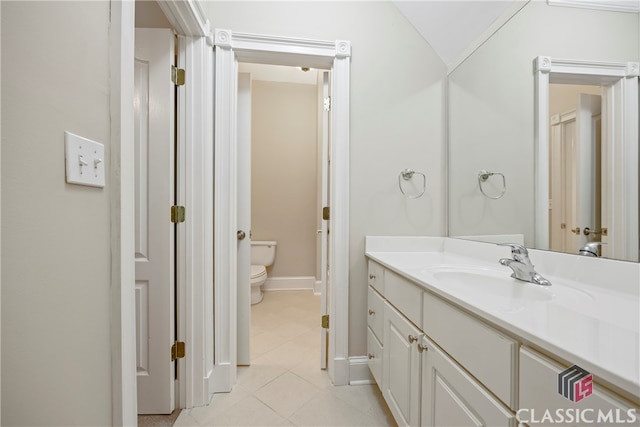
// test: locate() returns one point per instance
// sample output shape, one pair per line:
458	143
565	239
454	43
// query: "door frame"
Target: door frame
621	97
232	47
188	19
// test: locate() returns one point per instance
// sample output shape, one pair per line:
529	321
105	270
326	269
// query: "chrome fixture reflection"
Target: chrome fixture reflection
484	175
521	265
407	175
604	231
591	249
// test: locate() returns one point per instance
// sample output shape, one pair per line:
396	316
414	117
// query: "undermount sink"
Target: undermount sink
490	282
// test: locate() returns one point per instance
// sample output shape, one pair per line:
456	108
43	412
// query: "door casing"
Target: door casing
335	55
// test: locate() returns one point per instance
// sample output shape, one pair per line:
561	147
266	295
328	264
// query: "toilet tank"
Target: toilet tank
263	252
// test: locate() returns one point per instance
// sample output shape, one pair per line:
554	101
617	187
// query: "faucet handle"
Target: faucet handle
516	250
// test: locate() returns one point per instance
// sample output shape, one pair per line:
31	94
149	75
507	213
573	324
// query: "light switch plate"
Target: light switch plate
84	160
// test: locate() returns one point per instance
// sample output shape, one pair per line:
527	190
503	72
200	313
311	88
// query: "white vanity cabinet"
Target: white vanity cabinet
420	383
438	364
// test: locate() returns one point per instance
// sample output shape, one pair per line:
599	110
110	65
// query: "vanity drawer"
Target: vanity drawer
404	296
539	392
376	276
484	352
374	353
375	313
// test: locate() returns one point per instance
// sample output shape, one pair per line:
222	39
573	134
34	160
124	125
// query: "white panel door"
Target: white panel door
244	218
557	215
324	232
154	182
587	200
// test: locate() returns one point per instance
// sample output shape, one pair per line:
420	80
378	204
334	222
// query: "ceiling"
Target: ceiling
453	27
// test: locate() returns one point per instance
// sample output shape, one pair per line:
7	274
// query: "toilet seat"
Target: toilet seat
257	271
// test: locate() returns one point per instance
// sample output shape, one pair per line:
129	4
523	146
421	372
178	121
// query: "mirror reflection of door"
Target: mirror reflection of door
575	193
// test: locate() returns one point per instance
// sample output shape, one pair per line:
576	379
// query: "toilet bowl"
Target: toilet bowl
263	254
258	277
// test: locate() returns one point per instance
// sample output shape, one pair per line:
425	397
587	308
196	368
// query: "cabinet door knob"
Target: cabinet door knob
370	356
371	312
422	348
412	339
372	276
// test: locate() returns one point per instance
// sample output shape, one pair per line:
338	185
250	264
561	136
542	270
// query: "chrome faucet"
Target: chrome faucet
521	265
591	249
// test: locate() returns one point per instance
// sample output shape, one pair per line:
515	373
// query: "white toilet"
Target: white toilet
263	253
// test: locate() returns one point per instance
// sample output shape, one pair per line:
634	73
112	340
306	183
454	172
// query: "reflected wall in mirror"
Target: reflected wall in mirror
492	114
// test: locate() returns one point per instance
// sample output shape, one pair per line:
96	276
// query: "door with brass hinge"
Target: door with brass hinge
154	103
323	230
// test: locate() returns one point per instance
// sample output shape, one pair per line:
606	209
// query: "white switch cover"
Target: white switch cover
85	160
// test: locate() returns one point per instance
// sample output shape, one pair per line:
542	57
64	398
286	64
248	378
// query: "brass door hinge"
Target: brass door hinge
177	350
177	214
325	321
326	213
177	75
327	104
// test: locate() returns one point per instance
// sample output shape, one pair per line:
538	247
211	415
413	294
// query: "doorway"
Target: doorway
232	48
576	168
282	138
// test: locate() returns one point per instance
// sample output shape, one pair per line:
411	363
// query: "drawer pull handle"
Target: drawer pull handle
371	312
422	348
371	356
412	339
372	276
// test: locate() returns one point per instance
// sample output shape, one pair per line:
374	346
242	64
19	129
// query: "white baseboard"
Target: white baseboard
221	376
317	287
359	373
289	283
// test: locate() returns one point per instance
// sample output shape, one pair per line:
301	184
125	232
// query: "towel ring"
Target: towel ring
484	175
406	175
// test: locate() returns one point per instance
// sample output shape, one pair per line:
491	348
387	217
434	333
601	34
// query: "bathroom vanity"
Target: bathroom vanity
454	340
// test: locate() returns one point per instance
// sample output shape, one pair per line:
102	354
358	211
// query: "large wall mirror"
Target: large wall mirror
498	161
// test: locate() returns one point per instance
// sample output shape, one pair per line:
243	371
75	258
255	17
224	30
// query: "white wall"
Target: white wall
56	366
283	173
492	108
397	104
563	98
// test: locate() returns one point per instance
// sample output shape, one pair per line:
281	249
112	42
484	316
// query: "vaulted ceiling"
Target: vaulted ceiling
451	27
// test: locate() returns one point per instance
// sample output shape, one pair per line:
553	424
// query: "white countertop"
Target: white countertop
593	325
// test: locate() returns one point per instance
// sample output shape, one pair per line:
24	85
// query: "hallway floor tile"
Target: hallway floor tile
284	386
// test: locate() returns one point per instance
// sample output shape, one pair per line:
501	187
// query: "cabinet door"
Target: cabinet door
451	397
401	367
539	395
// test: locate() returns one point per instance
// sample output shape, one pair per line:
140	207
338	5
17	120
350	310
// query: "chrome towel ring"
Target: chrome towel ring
484	175
407	175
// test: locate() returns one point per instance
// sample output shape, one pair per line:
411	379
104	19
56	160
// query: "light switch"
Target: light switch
85	160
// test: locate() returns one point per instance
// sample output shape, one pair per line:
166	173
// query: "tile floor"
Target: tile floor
284	385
